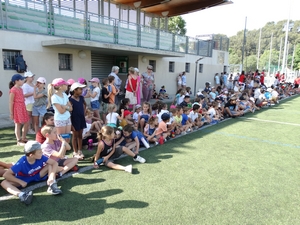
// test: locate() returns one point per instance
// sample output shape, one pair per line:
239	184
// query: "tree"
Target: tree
176	24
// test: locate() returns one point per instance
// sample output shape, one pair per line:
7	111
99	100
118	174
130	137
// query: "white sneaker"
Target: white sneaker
128	169
30	131
139	159
189	130
156	143
183	133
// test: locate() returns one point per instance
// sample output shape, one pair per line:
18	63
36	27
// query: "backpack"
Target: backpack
20	64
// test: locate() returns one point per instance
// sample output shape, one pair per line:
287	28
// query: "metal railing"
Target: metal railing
36	17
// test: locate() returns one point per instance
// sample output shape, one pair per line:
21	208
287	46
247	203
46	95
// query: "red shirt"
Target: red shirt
39	137
242	78
133	84
262	79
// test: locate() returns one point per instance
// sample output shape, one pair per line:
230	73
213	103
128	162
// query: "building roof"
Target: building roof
169	8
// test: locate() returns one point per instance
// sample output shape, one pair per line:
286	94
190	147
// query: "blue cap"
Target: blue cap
165	116
17	77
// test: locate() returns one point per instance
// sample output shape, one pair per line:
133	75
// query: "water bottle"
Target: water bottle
90	144
161	140
99	161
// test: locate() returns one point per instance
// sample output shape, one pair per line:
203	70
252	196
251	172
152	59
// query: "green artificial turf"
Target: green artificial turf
241	171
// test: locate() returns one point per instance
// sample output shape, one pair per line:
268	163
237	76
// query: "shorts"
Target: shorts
29	107
104	107
118	152
132	98
35	178
39	110
62	123
95	105
61	162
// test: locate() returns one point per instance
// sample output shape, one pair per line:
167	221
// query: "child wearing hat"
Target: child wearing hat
32	167
185	102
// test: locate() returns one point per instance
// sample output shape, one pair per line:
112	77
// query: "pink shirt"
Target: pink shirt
48	149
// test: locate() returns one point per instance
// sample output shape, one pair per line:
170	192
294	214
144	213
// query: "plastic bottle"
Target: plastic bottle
90	144
161	140
146	144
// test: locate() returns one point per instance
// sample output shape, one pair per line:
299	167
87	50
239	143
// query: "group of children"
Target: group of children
122	130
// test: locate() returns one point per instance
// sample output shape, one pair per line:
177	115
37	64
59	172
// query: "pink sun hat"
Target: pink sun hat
95	80
59	82
70	81
81	80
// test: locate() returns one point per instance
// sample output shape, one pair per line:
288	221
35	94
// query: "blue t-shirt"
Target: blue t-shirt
184	119
22	169
135	134
268	95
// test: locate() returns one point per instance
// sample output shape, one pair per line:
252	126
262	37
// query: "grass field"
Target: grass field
242	171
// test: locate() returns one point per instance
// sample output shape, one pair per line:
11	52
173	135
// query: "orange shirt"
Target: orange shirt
113	94
162	127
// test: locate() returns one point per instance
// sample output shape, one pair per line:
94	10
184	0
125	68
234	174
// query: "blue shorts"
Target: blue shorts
95	105
39	110
35	178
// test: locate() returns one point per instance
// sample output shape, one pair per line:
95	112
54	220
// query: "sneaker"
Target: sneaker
139	159
183	133
26	197
189	130
156	143
128	169
30	131
54	190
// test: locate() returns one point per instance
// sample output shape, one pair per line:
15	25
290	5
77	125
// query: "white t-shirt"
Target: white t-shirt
97	90
26	90
211	112
55	99
257	93
274	94
193	116
217	79
159	115
181	98
135	116
112	118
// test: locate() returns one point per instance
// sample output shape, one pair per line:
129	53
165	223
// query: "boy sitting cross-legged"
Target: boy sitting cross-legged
32	167
55	148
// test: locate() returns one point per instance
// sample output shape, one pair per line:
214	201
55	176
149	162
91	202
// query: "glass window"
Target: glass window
187	67
114	11
171	67
93	7
142	19
132	16
148	20
8	56
124	13
153	64
105	9
200	68
65	61
80	5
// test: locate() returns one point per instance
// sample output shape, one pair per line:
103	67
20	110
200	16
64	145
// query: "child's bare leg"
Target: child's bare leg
69	164
18	131
142	124
131	145
115	166
127	151
25	130
11	187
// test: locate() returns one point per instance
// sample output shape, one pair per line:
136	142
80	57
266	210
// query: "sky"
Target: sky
229	19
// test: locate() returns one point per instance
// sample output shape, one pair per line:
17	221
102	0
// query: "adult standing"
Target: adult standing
179	81
183	77
28	89
225	77
148	83
118	81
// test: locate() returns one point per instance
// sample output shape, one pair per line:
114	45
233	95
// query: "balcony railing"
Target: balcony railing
35	17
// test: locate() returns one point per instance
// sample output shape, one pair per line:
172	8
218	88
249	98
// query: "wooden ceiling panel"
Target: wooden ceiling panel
173	7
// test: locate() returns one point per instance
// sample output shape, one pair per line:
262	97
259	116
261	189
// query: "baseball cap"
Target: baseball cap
59	82
70	81
31	146
81	80
165	116
28	74
77	85
136	70
41	80
17	77
138	106
187	96
95	80
127	112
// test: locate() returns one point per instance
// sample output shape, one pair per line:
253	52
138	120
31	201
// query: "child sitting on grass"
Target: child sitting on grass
150	130
179	118
112	117
194	117
162	129
144	115
163	93
55	148
127	119
136	136
32	167
108	151
135	116
230	108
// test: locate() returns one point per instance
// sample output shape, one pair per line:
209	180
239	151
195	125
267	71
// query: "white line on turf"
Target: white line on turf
272	121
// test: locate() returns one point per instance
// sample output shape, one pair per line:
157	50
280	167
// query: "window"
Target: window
153	64
171	67
200	68
9	59
65	61
187	67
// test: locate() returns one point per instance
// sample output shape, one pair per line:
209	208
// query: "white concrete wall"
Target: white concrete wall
40	60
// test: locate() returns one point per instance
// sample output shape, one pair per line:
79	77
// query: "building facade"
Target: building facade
72	39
